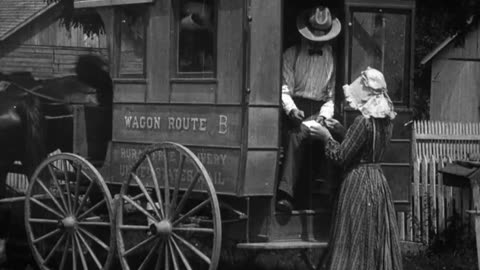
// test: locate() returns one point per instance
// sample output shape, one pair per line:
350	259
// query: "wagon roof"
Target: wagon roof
14	14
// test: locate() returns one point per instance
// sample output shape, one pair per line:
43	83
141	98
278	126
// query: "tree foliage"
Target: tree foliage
70	17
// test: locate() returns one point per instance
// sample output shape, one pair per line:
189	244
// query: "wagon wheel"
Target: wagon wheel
68	215
172	224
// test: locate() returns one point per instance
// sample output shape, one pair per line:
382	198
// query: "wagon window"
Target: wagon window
196	26
132	41
380	40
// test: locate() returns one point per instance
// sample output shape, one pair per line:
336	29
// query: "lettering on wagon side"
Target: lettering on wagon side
220	164
174	123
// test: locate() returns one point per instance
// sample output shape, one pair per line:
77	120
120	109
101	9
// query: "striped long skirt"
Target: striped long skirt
364	233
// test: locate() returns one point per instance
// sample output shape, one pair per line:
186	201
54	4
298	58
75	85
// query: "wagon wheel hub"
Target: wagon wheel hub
68	223
162	228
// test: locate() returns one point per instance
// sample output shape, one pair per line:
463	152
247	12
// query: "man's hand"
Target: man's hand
296	115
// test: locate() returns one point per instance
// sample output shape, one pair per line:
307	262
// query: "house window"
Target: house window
196	28
132	21
381	40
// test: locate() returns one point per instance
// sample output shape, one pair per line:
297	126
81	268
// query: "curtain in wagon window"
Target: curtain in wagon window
132	42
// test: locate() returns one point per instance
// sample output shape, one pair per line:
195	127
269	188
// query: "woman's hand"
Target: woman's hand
336	129
320	132
332	123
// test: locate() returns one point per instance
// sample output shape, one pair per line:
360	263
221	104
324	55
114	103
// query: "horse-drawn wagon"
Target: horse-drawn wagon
195	144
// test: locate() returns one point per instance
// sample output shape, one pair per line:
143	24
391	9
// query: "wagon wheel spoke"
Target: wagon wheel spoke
193	230
149	255
57	185
94	238
144	191
174	258
54	200
54	249
157	186
67	186
167	233
139	208
139	245
83	260
160	252
167	258
192	212
74	252
78	173
91	209
134	227
84	199
42	221
64	254
192	248
138	197
186	195
77	228
46	207
182	256
167	184
177	183
93	223
89	250
47	235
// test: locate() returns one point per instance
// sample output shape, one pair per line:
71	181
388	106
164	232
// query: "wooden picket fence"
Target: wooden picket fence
436	144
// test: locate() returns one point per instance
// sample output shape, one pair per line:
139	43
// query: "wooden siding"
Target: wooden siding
43	61
454	91
455	81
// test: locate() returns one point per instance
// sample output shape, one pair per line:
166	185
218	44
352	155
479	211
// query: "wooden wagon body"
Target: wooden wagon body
218	121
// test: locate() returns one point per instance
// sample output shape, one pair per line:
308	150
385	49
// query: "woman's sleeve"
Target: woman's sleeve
342	153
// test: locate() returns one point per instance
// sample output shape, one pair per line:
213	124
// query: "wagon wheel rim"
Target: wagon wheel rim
66	228
164	205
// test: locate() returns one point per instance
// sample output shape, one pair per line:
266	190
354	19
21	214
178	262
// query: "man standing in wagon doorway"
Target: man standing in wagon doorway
308	89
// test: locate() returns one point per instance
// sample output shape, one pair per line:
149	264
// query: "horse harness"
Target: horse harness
52	101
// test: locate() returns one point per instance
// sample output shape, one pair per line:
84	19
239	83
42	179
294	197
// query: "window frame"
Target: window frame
407	73
176	74
118	42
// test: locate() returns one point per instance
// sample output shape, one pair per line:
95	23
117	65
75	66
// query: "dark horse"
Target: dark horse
26	103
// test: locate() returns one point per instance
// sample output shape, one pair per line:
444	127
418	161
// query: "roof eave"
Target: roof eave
27	21
437	50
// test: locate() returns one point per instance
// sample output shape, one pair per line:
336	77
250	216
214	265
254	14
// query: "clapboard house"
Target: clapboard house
455	84
32	39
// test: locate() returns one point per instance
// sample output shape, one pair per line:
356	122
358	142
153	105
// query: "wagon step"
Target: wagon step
297	244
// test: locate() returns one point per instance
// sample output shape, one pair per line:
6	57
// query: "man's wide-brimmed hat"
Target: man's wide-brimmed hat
368	94
317	24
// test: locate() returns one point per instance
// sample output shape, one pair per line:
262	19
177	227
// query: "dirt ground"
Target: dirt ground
424	261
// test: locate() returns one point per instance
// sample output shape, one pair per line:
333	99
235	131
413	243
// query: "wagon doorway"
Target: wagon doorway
313	188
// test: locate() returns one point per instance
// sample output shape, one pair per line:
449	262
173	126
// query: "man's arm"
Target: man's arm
288	80
328	108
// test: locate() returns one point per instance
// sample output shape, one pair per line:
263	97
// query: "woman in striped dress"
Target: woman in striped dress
364	230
